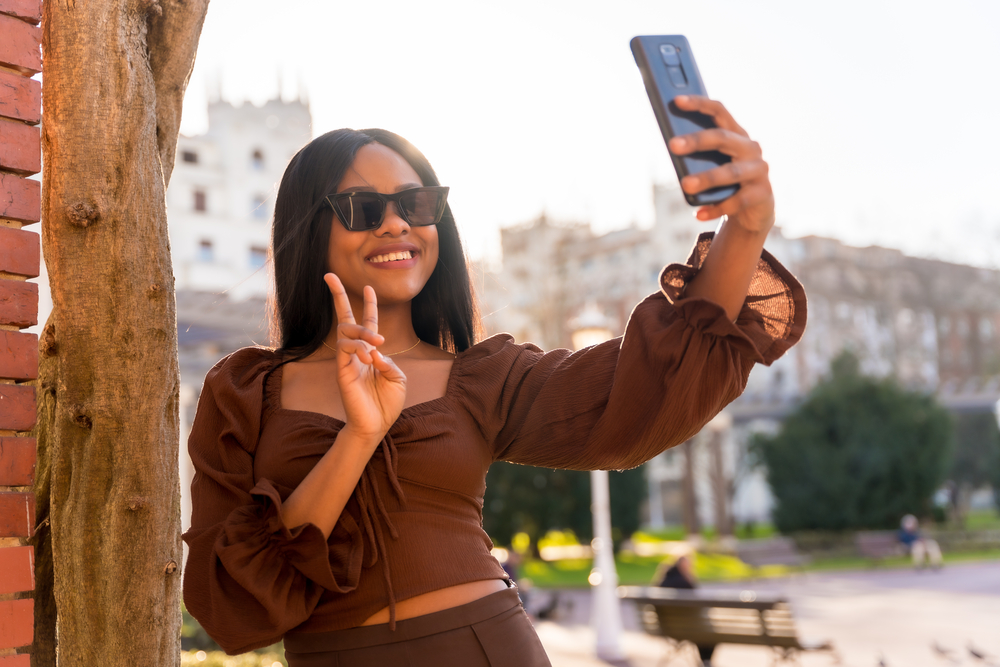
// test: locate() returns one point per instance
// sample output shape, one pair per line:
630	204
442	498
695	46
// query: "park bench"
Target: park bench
704	617
878	544
772	551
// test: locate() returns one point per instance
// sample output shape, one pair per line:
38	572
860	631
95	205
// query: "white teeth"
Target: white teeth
392	257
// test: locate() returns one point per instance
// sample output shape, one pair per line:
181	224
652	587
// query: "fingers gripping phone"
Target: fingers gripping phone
668	69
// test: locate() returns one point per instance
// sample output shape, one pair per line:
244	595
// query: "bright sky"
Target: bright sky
878	118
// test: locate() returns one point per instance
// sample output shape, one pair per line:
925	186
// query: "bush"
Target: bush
536	500
859	453
976	462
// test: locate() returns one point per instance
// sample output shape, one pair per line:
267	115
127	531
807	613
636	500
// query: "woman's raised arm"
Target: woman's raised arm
725	275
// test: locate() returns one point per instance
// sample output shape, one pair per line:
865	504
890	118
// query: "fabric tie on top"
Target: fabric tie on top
373	508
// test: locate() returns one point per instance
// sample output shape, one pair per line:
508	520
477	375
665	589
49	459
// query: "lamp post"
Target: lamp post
591	328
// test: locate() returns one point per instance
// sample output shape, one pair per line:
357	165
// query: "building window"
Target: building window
190	157
205	251
258	257
200	201
258	207
257	159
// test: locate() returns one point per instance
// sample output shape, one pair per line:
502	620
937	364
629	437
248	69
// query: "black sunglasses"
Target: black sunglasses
365	211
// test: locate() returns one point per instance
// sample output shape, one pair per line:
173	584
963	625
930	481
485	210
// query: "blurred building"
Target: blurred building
934	326
221	194
219	208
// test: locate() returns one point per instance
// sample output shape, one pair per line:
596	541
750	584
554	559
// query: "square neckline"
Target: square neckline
276	376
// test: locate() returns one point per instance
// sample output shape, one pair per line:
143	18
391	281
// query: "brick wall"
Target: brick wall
20	207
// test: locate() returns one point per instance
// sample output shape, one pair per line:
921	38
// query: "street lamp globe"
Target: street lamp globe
590	327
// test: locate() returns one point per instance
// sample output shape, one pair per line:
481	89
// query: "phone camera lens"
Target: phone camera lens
669	54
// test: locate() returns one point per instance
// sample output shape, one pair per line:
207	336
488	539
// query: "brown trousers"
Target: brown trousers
493	631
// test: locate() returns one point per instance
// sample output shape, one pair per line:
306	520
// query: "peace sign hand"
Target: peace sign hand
372	388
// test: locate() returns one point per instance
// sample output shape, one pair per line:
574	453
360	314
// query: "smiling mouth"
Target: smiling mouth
391	257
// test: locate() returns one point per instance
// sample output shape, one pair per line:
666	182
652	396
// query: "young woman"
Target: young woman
340	477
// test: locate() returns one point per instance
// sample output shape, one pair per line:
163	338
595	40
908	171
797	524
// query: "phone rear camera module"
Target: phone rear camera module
669	53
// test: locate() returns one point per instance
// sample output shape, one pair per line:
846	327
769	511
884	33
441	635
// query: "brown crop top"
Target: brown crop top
414	522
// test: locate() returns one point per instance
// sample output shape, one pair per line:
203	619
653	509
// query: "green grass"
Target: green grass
982	520
675	533
858	563
639	571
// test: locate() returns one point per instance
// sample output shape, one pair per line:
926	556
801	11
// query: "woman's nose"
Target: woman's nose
393	224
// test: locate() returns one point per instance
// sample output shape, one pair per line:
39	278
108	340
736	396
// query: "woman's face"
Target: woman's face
362	258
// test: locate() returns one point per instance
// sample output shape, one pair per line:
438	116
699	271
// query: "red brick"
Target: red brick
18	355
20	251
18	303
20	97
17	514
17	461
20	146
29	10
20	48
17	623
20	198
17	569
17	408
19	660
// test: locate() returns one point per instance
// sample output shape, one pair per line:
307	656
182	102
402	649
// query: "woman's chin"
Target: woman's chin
395	294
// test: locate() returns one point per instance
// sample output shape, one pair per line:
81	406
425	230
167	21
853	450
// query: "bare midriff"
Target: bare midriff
439	600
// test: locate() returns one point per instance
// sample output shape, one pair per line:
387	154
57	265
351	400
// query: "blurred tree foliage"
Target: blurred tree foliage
860	452
536	500
996	487
976	459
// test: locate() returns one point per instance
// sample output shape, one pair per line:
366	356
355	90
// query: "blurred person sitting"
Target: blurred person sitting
681	575
922	549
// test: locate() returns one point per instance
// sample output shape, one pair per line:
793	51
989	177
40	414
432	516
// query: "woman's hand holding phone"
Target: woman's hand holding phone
752	207
372	387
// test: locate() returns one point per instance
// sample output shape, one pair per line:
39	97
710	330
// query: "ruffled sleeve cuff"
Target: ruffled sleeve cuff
773	316
256	539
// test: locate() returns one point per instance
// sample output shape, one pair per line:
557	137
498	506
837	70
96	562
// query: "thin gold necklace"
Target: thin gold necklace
393	354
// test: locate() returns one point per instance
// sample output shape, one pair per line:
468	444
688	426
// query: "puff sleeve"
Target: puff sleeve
620	403
249	578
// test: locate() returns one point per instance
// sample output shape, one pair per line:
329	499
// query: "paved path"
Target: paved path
892	615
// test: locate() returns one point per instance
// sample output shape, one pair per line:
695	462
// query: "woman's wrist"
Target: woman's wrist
746	228
351	435
727	270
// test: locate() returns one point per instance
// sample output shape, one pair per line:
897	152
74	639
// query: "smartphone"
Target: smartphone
668	70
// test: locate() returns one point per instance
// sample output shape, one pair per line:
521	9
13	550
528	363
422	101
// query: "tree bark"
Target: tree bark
720	484
692	523
115	75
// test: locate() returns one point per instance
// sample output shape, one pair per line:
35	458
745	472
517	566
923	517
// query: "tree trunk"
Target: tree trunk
692	523
108	559
720	484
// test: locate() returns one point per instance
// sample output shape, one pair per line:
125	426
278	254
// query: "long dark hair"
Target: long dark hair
444	313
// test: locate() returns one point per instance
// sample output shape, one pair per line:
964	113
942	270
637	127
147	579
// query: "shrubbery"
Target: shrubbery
536	500
859	453
976	459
